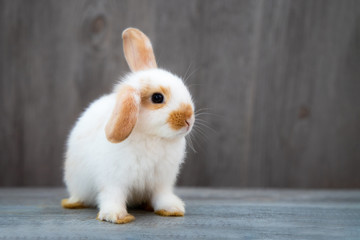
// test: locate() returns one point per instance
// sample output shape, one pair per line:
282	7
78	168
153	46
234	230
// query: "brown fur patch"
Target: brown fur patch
138	50
124	116
177	119
148	91
72	205
165	213
128	218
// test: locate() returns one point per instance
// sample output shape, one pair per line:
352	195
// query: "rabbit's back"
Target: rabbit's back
85	145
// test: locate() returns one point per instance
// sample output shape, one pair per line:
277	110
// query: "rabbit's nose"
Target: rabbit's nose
181	117
189	123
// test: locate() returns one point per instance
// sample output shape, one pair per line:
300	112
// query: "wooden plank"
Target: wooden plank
280	79
211	214
223	44
307	95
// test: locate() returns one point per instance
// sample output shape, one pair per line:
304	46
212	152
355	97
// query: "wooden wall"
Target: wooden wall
279	81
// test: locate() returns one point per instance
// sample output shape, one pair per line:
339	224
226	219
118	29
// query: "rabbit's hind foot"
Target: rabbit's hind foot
68	203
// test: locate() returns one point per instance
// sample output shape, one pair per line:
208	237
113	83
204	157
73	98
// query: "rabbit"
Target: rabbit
127	147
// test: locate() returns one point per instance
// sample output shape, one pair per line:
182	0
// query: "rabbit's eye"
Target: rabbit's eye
157	98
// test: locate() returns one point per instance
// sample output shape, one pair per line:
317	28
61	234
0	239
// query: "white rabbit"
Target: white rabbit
127	147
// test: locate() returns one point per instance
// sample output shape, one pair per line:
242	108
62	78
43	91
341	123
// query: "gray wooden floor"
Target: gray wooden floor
217	214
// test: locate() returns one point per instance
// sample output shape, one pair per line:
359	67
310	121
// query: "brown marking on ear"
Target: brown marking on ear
138	51
124	116
146	93
177	119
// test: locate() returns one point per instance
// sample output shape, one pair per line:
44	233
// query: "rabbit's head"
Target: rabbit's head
149	101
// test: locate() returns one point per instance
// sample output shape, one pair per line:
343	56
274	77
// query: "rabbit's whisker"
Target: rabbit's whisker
190	143
202	109
204	125
207	113
188	77
187	71
200	132
196	141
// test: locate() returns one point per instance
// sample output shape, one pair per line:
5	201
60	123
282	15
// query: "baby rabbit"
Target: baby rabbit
127	147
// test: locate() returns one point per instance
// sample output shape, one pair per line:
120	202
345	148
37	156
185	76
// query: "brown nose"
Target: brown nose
181	117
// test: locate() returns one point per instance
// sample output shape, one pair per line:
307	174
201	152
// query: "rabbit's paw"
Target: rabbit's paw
72	204
166	213
169	206
115	217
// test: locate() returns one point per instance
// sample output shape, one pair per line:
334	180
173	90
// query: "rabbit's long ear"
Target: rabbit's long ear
138	51
124	115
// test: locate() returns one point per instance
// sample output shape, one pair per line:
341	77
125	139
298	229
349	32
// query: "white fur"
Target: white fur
142	168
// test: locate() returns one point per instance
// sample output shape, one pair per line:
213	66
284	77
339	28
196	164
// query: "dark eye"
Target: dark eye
157	98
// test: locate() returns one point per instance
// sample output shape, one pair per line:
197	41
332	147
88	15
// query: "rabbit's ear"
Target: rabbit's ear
138	50
124	115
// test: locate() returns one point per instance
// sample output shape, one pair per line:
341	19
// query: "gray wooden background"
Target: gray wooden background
279	82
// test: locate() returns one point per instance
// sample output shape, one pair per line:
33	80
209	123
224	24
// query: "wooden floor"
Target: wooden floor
215	214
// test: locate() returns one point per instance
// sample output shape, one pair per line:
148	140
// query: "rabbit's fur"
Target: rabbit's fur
125	149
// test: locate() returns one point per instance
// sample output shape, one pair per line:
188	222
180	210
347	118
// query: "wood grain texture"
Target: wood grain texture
278	82
210	214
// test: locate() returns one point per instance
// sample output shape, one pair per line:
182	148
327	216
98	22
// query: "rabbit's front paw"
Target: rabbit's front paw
169	206
119	218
